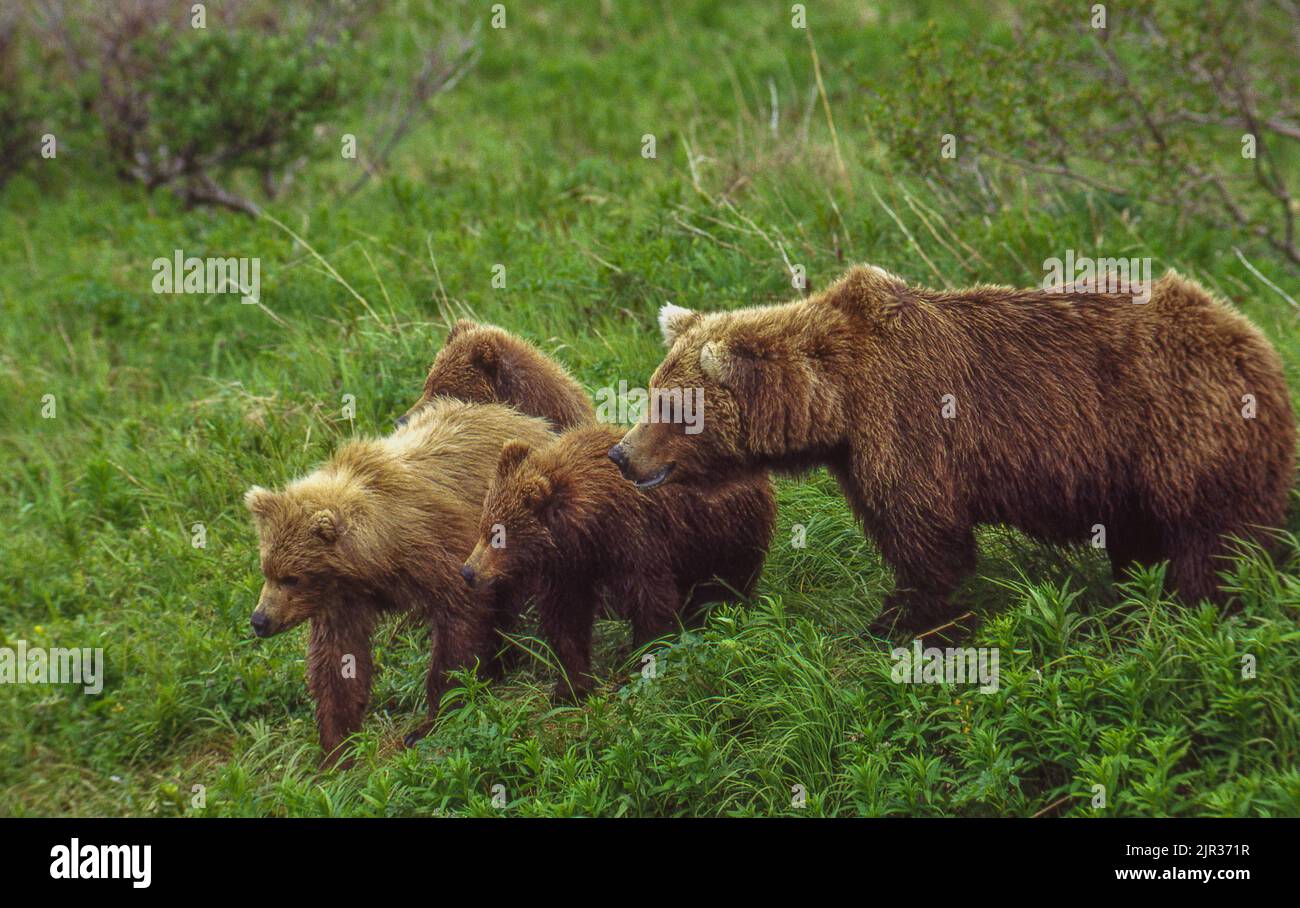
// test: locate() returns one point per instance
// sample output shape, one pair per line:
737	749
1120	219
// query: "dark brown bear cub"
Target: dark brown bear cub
485	364
1166	425
563	523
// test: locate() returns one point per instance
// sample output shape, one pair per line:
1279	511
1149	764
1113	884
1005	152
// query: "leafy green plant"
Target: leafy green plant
20	103
1176	103
220	102
193	109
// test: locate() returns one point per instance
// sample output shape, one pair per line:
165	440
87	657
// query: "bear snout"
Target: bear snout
261	624
468	573
618	454
401	421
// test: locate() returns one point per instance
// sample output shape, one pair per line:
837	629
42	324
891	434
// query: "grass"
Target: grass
169	407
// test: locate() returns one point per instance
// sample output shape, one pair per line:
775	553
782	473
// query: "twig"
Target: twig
935	630
203	189
826	105
430	82
1052	806
329	268
1255	271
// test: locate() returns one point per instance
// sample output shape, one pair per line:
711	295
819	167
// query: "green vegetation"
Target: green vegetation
169	407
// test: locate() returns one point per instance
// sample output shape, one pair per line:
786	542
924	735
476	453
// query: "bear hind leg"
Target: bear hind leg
1134	541
928	565
1194	562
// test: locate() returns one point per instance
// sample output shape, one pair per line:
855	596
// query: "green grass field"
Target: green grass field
169	407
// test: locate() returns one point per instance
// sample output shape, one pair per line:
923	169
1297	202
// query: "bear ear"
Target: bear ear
485	358
512	455
715	361
325	525
674	320
259	501
732	364
882	274
537	492
462	325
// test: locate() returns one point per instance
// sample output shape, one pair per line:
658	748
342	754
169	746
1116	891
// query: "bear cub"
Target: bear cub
383	527
561	523
486	364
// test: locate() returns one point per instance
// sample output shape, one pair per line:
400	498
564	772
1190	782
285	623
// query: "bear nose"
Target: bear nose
619	456
261	624
401	421
468	573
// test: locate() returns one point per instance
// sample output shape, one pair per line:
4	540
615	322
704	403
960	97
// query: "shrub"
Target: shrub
198	99
1175	103
222	102
193	108
206	107
19	109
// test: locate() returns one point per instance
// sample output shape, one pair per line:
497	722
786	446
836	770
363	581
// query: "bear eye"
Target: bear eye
291	580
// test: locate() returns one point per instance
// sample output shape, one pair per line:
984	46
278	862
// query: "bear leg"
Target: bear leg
735	580
504	657
1133	541
566	623
653	607
464	637
928	565
1193	567
339	672
442	660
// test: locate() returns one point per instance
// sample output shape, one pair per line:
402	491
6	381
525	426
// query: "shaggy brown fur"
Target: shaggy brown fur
384	527
1072	410
485	364
571	530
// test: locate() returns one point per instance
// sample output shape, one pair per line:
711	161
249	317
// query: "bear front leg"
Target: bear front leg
928	564
340	668
566	624
1131	541
652	606
507	606
462	637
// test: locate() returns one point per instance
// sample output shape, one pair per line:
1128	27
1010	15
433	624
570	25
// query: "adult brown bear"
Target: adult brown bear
1167	423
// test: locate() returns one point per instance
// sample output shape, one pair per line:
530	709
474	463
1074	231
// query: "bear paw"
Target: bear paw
421	732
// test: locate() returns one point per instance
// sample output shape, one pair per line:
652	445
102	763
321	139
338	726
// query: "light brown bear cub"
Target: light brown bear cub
383	527
562	523
486	364
1167	423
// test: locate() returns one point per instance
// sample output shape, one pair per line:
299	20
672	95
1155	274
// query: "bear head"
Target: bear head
469	367
311	551
774	384
525	515
702	368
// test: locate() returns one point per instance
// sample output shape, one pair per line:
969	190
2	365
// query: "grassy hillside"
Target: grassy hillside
169	407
